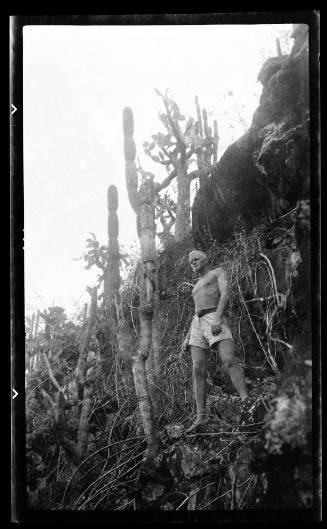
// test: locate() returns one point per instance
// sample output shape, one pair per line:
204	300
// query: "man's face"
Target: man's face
198	263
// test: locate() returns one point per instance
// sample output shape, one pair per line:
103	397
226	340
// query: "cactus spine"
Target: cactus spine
142	202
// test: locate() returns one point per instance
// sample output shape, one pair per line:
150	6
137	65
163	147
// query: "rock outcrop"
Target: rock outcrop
209	470
266	171
265	174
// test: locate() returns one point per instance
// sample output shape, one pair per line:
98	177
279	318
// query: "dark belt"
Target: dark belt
205	311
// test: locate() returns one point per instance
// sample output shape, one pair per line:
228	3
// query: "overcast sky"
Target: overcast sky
77	80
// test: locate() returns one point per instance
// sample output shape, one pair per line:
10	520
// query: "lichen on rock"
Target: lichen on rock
286	423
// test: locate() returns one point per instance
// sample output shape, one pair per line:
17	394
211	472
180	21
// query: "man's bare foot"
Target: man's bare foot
197	425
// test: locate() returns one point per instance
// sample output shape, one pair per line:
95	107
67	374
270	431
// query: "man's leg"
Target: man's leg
199	358
227	356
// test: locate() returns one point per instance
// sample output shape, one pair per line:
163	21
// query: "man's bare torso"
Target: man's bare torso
206	291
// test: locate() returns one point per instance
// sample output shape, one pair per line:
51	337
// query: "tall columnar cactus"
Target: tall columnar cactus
112	275
130	167
37	321
31	332
199	131
142	202
85	313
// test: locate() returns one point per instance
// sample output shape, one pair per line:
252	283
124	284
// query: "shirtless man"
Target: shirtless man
209	329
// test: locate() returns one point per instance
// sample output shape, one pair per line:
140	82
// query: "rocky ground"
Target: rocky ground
210	469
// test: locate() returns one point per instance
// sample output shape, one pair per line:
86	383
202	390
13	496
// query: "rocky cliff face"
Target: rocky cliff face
265	174
266	171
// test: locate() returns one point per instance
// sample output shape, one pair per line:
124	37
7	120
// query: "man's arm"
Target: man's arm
224	293
223	300
186	340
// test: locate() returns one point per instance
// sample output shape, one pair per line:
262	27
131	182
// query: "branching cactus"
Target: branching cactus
207	142
142	202
177	150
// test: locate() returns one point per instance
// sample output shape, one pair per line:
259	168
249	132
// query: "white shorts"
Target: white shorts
201	335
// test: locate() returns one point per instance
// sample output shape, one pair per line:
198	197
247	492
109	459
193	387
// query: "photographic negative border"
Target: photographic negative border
19	511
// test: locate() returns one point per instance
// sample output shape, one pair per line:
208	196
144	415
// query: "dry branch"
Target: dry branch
267	354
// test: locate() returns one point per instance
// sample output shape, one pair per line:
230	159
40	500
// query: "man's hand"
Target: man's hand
216	327
185	345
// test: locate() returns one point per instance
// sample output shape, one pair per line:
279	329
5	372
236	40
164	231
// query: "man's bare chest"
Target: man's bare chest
206	285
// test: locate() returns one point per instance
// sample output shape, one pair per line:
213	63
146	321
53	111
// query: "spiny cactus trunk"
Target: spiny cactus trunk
200	156
112	275
207	135
85	313
81	364
36	328
153	364
141	384
207	154
183	205
150	267
130	167
120	331
145	367
31	333
142	202
83	426
156	346
85	389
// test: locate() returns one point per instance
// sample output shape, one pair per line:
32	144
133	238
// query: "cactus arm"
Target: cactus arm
174	128
199	131
130	153
191	152
199	173
205	123
165	182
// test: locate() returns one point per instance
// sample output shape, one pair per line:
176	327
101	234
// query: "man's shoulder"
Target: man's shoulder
219	271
